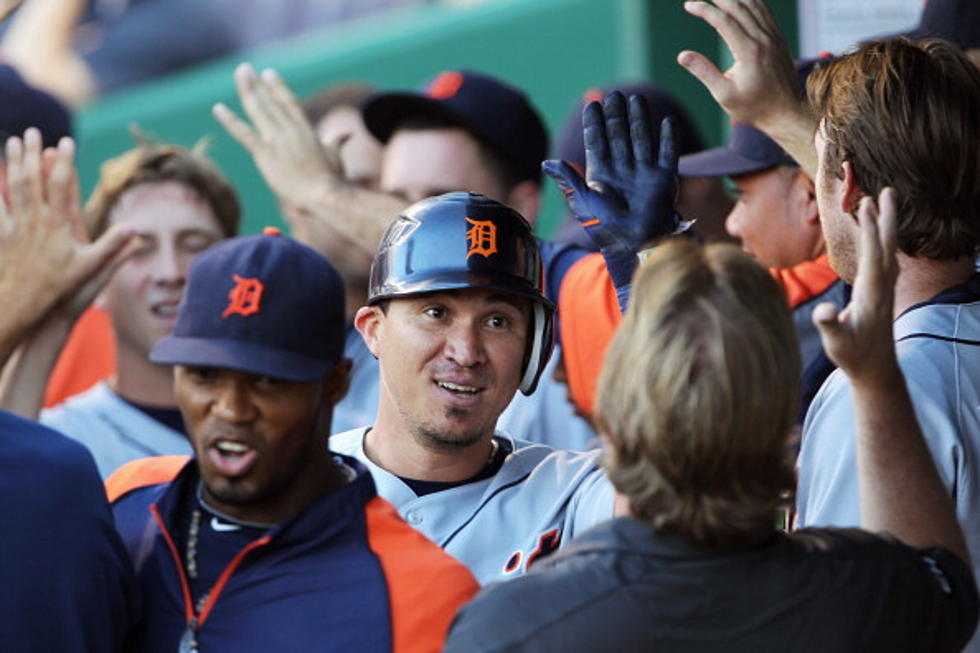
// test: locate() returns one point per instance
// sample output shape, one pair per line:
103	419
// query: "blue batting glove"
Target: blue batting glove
627	198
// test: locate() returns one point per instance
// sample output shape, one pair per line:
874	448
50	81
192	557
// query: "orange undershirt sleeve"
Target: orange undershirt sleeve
426	586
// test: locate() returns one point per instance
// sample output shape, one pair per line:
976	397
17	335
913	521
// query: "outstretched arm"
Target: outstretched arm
323	209
39	44
49	272
627	197
901	492
760	89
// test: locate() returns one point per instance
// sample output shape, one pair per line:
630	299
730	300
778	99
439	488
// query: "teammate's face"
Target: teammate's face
258	440
175	225
450	362
360	152
769	217
426	162
840	229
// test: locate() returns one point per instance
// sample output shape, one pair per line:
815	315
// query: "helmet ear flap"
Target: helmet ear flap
541	344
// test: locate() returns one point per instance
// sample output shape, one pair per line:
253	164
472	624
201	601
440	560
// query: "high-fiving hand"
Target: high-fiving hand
45	256
762	87
280	139
627	197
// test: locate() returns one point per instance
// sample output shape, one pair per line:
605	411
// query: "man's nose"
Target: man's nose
464	344
168	265
233	404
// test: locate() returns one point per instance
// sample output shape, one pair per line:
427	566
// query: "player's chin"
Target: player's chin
231	491
454	434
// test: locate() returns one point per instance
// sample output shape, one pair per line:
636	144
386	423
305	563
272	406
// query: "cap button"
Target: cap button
272	231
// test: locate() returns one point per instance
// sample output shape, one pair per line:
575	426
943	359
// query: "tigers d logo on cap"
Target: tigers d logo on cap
245	297
290	302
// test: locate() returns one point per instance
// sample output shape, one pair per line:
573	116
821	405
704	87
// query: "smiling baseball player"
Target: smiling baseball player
458	320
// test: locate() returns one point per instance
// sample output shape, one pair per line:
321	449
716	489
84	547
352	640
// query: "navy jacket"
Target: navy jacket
65	581
346	574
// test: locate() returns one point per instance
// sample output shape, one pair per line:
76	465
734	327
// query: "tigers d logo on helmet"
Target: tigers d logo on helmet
464	240
481	238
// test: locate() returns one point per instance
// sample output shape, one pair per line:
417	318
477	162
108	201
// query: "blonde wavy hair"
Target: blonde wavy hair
699	394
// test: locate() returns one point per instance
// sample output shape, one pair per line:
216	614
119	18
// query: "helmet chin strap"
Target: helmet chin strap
534	364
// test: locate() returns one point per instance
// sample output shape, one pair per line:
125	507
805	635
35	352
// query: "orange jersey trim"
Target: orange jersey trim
588	313
805	281
143	473
418	573
89	355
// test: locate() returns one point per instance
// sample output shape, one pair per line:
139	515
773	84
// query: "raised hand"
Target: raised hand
280	139
859	337
761	87
762	82
45	258
627	197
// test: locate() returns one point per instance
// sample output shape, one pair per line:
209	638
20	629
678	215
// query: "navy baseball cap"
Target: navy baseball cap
748	149
23	106
264	304
957	21
497	114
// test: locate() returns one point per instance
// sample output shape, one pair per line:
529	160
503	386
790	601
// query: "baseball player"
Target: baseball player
266	540
907	115
458	320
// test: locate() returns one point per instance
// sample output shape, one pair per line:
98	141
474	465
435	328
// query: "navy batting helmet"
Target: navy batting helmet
465	240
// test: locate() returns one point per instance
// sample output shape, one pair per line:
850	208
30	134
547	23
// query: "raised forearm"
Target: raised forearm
25	376
39	44
44	25
794	130
901	492
360	215
21	312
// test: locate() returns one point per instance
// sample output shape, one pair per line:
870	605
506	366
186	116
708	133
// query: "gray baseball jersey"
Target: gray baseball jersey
114	431
938	346
538	500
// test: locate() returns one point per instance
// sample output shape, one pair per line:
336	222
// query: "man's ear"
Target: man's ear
850	191
369	321
525	198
